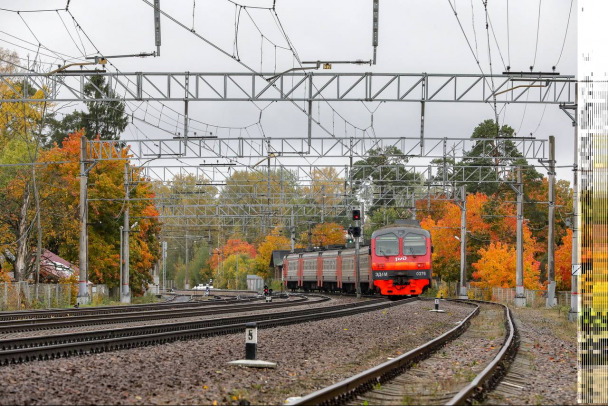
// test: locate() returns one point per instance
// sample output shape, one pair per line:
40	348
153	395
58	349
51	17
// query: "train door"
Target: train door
320	270
339	270
300	270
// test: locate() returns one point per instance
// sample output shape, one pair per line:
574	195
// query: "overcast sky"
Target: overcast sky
414	36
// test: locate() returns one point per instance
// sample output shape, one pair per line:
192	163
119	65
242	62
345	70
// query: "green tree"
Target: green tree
106	119
495	158
382	180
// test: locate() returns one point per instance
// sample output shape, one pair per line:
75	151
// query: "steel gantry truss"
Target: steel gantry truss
302	86
231	149
310	152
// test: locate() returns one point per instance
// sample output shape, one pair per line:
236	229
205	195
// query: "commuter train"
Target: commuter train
398	263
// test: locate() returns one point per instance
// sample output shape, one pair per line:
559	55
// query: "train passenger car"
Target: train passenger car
330	270
401	260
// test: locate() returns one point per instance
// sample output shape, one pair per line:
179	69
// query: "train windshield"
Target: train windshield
414	244
387	244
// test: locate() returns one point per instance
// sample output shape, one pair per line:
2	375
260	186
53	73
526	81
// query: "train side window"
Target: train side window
387	244
414	244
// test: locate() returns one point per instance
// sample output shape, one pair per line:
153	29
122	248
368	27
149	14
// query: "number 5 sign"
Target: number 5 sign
251	340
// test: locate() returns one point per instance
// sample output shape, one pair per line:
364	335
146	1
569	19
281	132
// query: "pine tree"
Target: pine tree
106	119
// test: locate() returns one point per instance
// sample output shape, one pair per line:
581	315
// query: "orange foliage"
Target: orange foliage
272	242
563	263
106	181
232	247
324	234
446	256
496	268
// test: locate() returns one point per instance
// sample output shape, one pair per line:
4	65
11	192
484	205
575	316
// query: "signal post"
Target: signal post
356	235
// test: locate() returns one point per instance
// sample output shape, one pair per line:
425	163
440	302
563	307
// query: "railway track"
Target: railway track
71	312
78	319
407	380
63	345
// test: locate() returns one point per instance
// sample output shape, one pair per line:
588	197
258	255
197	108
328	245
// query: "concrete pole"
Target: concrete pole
186	119
309	111
218	267
462	294
267	215
126	294
292	230
358	265
236	273
551	236
186	281
164	266
576	267
83	294
520	298
322	203
120	266
413	214
309	237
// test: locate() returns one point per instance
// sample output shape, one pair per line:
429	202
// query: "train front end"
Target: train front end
401	261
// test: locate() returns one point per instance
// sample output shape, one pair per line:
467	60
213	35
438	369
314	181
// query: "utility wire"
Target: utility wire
565	33
540	2
508	37
470	47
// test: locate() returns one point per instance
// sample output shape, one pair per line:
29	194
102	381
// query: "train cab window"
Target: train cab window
387	244
414	244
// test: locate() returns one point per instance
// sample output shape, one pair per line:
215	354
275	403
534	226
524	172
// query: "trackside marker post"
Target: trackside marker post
251	340
436	309
251	349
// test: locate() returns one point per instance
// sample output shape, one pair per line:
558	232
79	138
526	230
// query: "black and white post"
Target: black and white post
251	341
436	309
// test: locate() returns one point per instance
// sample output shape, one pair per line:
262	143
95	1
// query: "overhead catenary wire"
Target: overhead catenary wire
540	2
565	34
470	47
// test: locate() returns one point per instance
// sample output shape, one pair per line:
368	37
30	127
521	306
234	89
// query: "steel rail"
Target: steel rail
96	345
69	337
14	326
364	381
492	373
71	312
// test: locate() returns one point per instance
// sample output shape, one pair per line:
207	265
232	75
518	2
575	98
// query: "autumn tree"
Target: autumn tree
235	269
326	187
106	181
226	256
497	266
20	134
322	235
445	235
272	242
248	190
563	262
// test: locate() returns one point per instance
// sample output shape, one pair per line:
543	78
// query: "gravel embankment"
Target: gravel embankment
309	356
546	363
435	380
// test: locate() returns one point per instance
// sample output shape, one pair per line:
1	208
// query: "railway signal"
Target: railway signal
356	214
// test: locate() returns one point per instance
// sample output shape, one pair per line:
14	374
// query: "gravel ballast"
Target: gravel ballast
309	356
546	364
